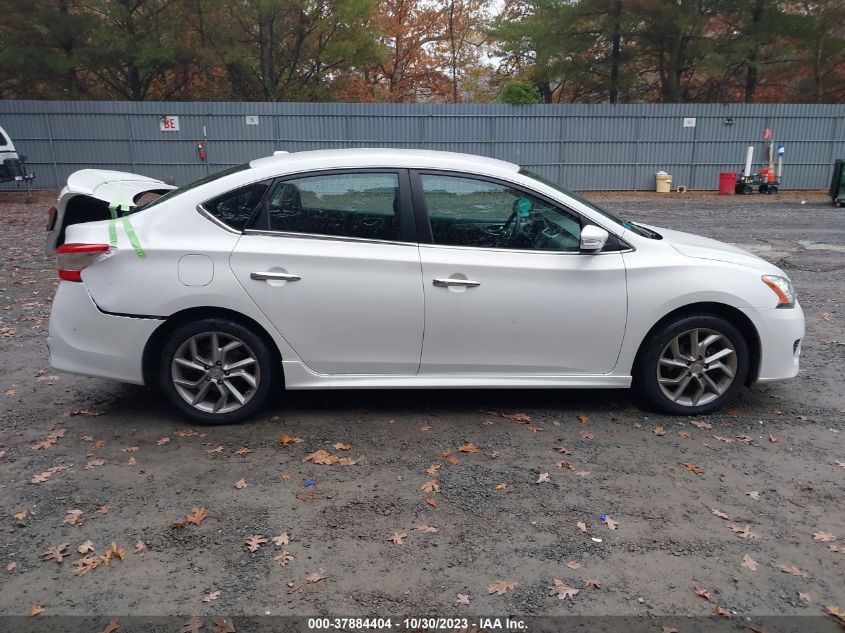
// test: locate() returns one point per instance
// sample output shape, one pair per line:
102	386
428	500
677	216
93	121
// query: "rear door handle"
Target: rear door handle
446	283
264	276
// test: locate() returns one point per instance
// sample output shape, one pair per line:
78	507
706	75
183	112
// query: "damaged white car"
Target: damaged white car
374	268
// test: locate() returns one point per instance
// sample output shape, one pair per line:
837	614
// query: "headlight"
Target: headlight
782	287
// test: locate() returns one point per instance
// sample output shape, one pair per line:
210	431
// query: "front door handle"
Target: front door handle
447	283
265	276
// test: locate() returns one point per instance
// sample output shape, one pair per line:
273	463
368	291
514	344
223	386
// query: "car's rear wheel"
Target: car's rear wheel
216	371
692	365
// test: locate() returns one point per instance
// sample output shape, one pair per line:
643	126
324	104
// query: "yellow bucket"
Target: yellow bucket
664	182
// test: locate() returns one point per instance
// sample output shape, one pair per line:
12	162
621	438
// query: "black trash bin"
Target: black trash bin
837	184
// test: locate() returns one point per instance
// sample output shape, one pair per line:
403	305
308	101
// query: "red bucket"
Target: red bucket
727	184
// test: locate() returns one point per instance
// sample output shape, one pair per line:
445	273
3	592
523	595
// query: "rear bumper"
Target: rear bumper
84	340
781	332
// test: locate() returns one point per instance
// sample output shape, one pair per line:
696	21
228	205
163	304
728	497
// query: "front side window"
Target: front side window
465	211
357	205
235	208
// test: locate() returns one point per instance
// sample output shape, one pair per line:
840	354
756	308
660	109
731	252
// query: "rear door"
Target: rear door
332	261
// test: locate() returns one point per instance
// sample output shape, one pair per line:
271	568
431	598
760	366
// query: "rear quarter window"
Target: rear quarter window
235	208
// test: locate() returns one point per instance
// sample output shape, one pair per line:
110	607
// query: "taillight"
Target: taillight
73	258
52	213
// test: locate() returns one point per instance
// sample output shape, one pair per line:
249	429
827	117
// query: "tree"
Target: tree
519	93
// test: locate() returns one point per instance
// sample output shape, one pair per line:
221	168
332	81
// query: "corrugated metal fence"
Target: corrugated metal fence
584	147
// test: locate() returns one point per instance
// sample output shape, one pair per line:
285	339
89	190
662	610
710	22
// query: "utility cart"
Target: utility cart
12	168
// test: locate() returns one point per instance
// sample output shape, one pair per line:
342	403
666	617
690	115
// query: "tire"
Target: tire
772	190
659	345
186	369
746	190
763	189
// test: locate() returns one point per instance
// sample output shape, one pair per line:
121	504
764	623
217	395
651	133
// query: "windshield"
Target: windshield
625	223
180	190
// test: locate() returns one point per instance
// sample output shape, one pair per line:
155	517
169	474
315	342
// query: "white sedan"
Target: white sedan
376	268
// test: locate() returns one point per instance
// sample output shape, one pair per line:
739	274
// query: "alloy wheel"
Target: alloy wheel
696	367
215	372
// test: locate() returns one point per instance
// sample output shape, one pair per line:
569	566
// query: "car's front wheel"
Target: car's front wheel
692	365
216	371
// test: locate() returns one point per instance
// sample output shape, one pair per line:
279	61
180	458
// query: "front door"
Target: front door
332	264
507	290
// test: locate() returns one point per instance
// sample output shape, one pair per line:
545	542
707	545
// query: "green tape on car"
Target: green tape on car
113	232
130	233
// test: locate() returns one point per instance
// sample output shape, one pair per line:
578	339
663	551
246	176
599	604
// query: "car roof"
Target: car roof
384	157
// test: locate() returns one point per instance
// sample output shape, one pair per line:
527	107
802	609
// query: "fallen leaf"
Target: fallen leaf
398	537
103	510
132	461
314	576
565	464
543	479
281	540
742	532
501	486
11	566
519	418
701	425
217	449
111	627
469	447
307	495
684	435
726	440
432	470
586	435
430	486
836	612
562	590
140	548
287	440
722	612
162	441
754	494
425	528
804	596
347	461
35	609
701	591
591	583
659	430
321	457
73	517
791	569
744	439
131	449
563	450
425	427
283	557
240	483
535	429
773	438
56	553
749	562
582	473
99	444
584	419
86	547
219	624
285	476
114	551
611	523
824	537
693	468
720	514
341	446
193	625
196	516
462	599
581	526
254	542
243	450
93	463
214	595
453	459
431	502
85	564
20	516
573	564
499	587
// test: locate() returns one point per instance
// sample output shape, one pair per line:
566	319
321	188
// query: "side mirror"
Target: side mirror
593	238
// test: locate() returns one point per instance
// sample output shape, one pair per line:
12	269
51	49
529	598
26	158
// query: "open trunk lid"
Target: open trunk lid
92	195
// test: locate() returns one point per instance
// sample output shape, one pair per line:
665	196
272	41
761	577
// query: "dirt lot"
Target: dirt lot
773	467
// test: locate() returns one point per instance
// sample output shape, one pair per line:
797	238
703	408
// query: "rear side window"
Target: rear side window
361	205
3	140
235	208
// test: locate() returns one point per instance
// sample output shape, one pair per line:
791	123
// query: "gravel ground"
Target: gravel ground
772	466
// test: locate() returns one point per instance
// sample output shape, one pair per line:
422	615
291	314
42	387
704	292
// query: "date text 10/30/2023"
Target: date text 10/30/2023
464	625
